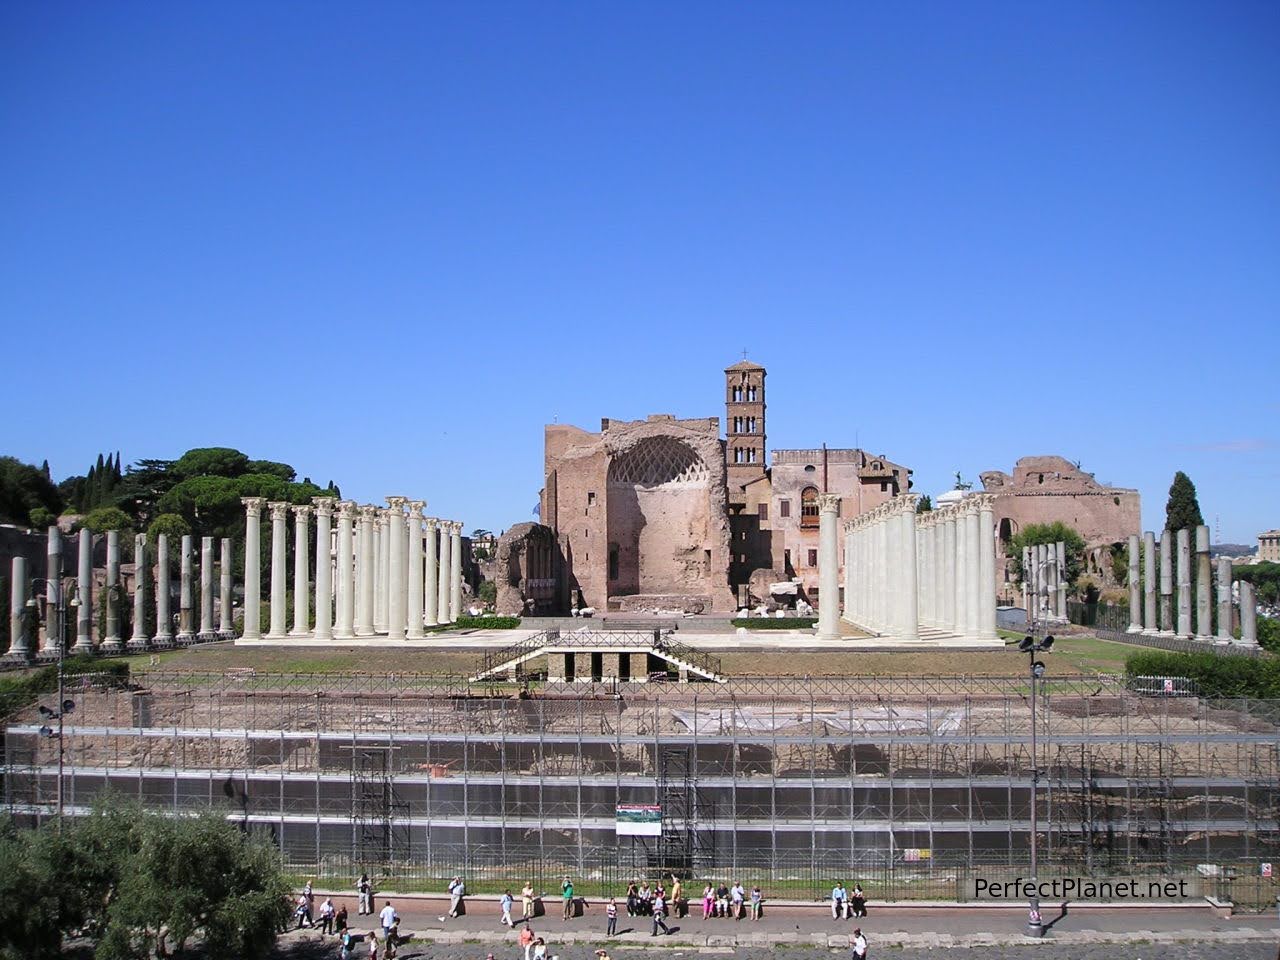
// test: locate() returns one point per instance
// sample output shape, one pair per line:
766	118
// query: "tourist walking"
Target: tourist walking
659	916
611	914
507	903
457	890
566	893
679	905
387	918
526	939
300	911
839	901
364	889
373	945
859	944
526	900
858	901
340	920
347	942
326	916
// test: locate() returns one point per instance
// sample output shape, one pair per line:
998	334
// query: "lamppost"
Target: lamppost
65	705
1030	646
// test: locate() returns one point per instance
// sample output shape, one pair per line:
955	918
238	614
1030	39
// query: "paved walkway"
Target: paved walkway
798	925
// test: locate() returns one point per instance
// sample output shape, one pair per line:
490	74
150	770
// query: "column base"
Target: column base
83	649
111	645
138	644
18	658
826	636
48	655
185	639
207	636
326	636
162	641
343	635
1134	628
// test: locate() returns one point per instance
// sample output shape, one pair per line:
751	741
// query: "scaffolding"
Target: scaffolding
792	779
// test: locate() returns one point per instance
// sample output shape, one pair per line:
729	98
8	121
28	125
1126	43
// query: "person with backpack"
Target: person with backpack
859	944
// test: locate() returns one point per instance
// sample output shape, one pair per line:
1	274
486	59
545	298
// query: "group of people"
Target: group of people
725	901
330	919
847	903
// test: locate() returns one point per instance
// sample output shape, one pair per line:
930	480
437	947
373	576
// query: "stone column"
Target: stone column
226	603
974	578
1027	590
279	572
164	616
53	626
365	578
139	640
186	604
1204	585
948	593
111	642
1224	599
382	542
442	575
413	572
1135	586
455	571
395	535
431	574
302	570
345	627
252	568
987	567
1060	578
324	567
1248	615
909	603
1166	582
206	588
1149	624
19	649
962	571
84	594
828	567
1184	582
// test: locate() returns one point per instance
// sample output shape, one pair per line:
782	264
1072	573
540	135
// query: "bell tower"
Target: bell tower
744	426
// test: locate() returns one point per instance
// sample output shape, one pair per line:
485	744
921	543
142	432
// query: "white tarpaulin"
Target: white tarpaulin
862	720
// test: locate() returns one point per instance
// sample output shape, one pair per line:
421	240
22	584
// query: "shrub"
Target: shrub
18	691
487	623
774	623
1219	677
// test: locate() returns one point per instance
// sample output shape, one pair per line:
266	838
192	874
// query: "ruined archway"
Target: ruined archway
659	520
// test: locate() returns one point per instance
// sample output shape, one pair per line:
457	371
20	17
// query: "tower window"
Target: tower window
591	498
809	507
763	511
751	455
751	424
752	394
737	394
813	558
737	455
784	508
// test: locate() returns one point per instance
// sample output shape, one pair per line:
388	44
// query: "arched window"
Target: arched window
809	507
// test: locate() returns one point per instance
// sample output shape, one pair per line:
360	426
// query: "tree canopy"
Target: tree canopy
24	488
1183	509
1034	534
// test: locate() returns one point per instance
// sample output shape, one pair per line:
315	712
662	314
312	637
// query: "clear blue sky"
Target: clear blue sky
387	242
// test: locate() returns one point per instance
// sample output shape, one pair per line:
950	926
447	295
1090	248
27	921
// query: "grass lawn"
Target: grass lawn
1070	655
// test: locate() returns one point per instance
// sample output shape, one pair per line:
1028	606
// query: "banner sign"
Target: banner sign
638	820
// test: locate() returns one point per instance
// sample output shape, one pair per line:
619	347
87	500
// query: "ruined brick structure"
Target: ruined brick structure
1046	489
663	514
524	571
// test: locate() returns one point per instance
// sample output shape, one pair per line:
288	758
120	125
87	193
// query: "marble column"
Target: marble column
442	575
206	588
828	567
430	574
345	627
948	596
413	572
84	594
54	629
186	604
1204	585
909	603
365	570
1135	585
987	567
1060	578
962	571
382	564
1248	615
164	616
1184	582
324	567
19	649
252	629
111	643
973	579
226	601
455	571
301	571
140	640
395	536
1224	599
1027	590
1149	623
1166	582
279	568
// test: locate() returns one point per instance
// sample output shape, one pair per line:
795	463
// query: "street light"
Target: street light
65	705
1031	646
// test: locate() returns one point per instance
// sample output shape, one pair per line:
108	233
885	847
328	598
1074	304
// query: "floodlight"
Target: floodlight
1046	643
1037	669
46	732
46	712
1026	643
68	706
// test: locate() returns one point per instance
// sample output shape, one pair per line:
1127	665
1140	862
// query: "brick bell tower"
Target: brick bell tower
744	426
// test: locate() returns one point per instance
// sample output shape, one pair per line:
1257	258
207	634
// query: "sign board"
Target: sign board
916	854
1266	870
638	820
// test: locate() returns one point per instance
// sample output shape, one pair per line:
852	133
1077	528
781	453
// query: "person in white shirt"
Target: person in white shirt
859	944
839	901
737	896
387	917
326	916
507	902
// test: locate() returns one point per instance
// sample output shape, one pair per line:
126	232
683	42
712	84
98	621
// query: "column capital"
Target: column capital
302	511
367	512
415	509
279	509
455	527
828	503
382	516
253	505
985	501
346	509
432	522
907	502
396	503
324	506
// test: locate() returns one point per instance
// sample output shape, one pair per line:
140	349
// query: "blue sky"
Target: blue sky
387	242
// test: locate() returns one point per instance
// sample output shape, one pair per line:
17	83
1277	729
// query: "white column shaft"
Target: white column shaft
252	569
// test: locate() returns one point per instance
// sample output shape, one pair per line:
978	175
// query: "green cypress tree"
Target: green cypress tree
1183	509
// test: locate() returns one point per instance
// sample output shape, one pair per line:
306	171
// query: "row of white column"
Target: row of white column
389	574
1143	579
188	630
936	570
1044	581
